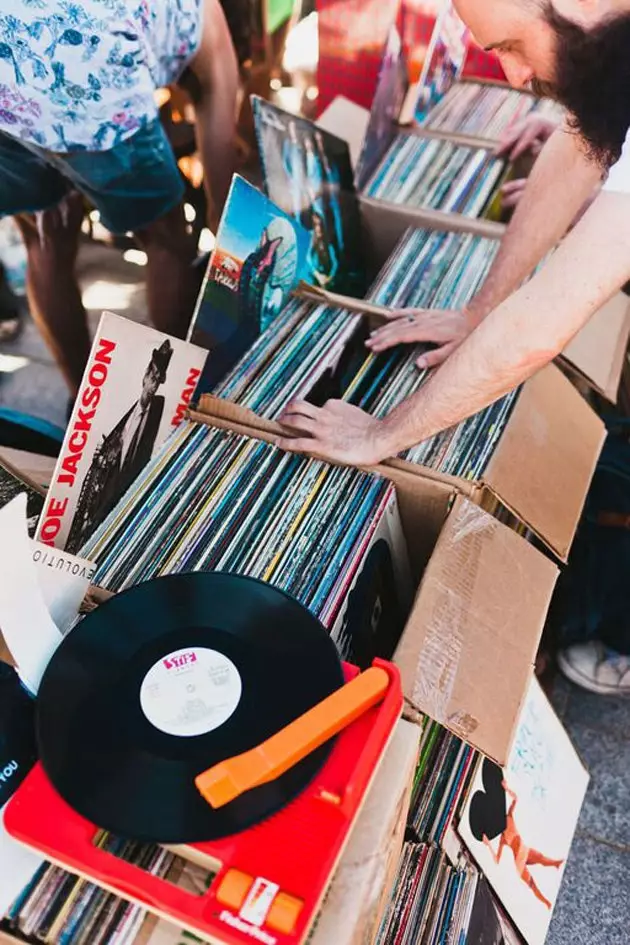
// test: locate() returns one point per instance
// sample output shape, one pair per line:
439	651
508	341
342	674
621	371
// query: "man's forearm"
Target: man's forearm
525	332
562	179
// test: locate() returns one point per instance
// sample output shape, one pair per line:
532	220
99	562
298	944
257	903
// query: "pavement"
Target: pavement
594	905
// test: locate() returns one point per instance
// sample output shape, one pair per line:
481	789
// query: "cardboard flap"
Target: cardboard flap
468	141
433	219
34	468
544	462
347	121
8	458
598	352
468	651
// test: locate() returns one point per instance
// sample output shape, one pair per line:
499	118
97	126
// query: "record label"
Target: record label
191	692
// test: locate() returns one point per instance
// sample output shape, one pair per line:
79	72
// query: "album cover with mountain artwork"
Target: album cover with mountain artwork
259	257
308	173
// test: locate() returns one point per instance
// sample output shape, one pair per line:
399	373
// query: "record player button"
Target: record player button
233	889
284	913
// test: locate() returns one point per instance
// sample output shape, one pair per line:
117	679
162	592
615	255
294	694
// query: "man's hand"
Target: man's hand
512	191
529	135
446	329
338	432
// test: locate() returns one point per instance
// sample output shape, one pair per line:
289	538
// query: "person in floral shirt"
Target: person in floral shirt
78	119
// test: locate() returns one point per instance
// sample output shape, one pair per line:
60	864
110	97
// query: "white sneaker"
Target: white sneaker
595	667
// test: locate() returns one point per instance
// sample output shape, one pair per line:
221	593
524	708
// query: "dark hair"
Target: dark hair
487	815
592	81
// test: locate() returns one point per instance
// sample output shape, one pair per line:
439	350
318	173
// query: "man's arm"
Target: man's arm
561	181
525	332
214	92
518	338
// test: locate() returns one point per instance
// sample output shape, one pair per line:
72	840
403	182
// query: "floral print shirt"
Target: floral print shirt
82	76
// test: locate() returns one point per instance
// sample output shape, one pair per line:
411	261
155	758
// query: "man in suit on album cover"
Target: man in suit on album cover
124	452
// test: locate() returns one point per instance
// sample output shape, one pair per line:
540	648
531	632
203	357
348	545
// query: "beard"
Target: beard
592	81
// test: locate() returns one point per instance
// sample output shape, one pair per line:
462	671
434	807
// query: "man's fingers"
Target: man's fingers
512	186
507	142
428	333
511	200
526	141
300	423
301	407
297	445
432	359
383	340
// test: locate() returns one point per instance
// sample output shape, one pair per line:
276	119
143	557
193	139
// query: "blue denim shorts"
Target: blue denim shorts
131	185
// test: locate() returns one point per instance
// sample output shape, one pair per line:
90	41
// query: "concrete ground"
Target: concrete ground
594	906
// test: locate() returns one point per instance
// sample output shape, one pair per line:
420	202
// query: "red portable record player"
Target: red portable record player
271	879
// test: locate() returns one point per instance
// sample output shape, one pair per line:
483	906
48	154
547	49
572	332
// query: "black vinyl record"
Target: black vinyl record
164	681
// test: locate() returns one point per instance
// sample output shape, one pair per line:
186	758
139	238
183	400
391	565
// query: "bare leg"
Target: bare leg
52	244
172	282
534	858
529	879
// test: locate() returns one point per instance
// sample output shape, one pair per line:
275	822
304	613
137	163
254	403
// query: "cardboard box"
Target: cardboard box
349	121
468	650
596	356
542	465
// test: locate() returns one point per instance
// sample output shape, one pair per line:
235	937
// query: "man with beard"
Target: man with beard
577	51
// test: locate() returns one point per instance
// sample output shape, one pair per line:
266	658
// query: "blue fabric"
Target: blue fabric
22	431
133	184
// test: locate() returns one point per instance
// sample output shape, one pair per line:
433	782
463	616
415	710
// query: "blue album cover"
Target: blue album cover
389	97
260	255
308	172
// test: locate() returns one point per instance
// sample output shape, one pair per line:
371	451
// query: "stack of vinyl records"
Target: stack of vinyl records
316	352
487	111
60	908
444	774
436	903
216	501
432	899
439	896
437	175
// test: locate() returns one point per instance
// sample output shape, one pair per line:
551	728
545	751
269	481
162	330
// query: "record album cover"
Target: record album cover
445	60
378	591
136	388
388	101
308	173
519	823
259	257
